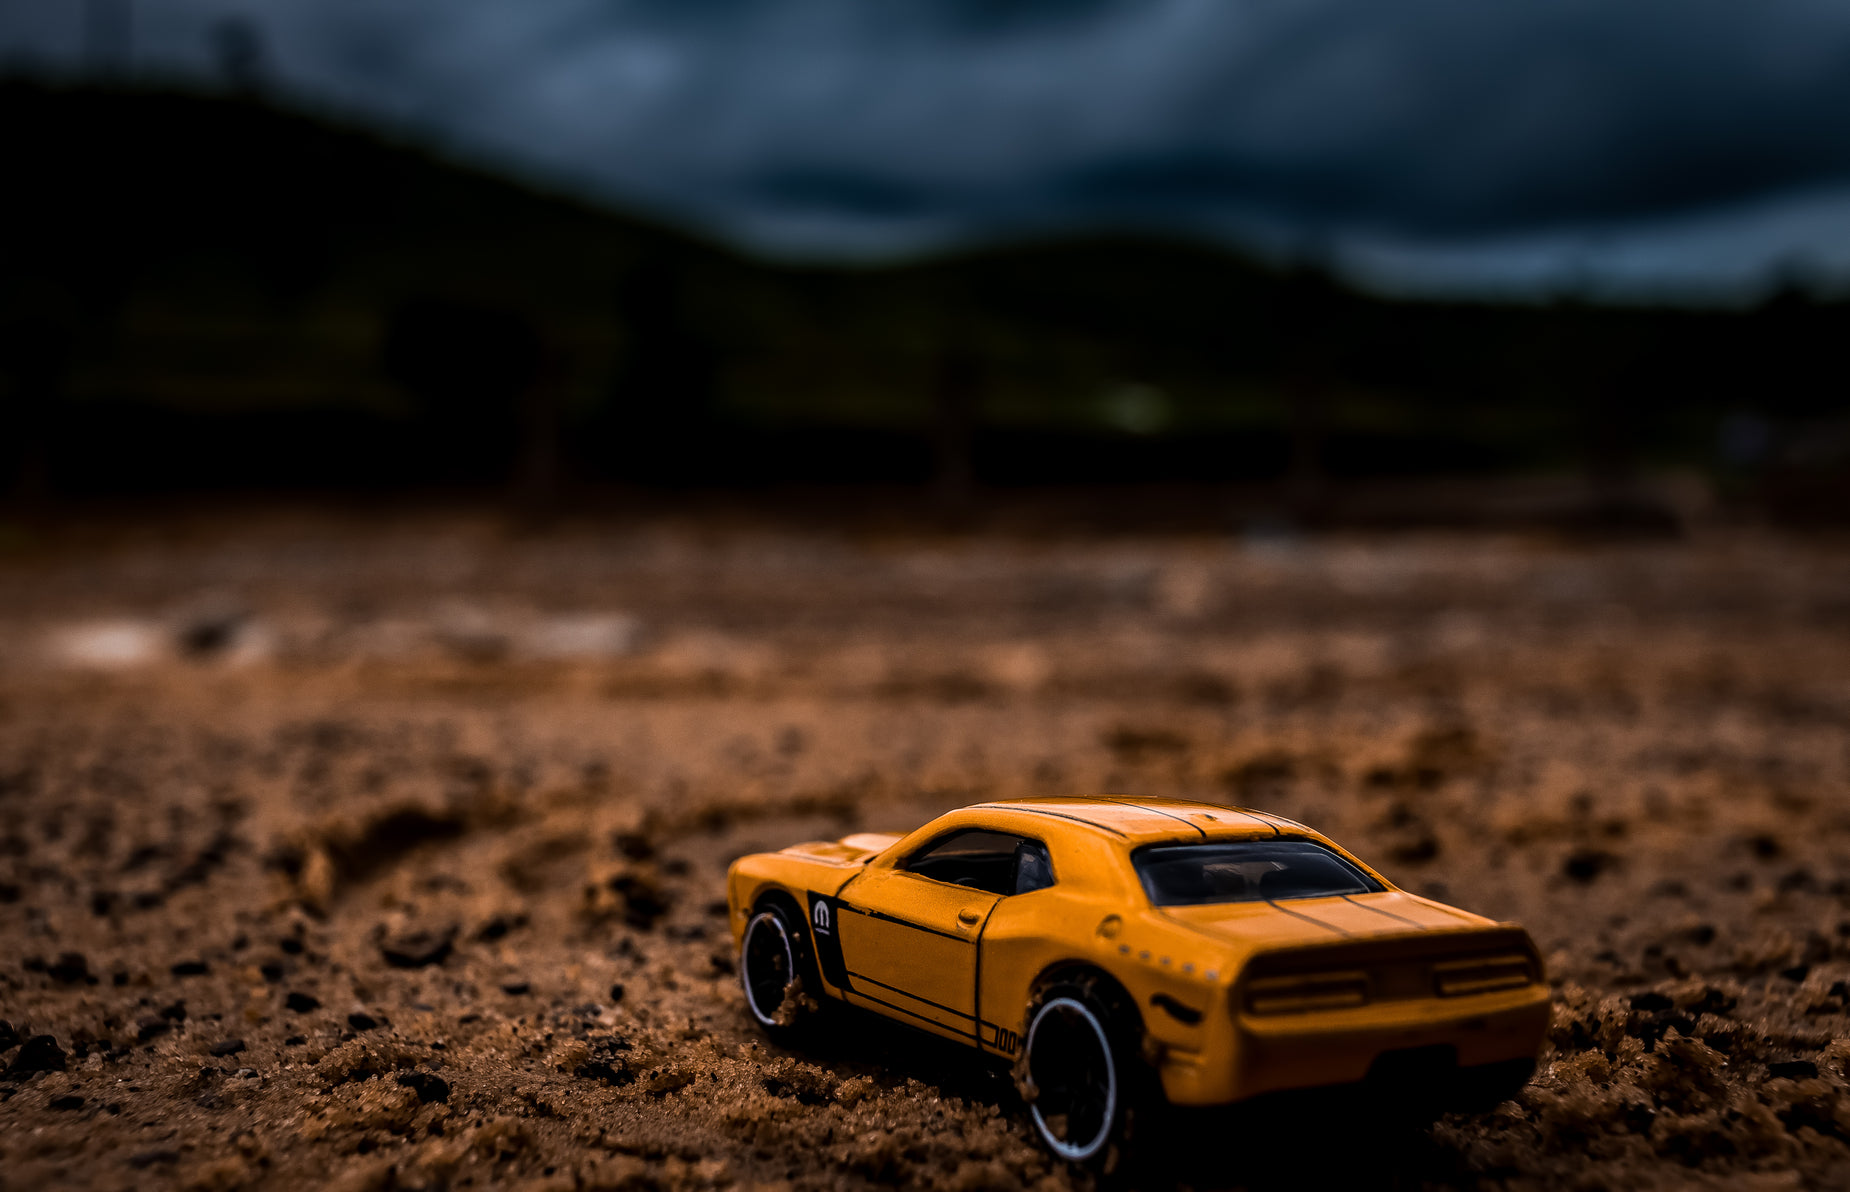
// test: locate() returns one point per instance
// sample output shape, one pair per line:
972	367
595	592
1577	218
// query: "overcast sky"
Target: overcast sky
1697	149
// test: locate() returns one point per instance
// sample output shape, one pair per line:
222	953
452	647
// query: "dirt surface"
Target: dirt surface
388	852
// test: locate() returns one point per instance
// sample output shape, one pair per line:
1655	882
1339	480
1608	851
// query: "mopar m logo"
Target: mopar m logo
824	913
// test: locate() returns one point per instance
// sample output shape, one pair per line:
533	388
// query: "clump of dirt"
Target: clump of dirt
354	909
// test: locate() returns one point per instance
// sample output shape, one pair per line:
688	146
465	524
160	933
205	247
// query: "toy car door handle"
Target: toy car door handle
969	916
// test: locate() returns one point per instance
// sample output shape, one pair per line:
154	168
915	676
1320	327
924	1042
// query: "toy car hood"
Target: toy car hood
857	849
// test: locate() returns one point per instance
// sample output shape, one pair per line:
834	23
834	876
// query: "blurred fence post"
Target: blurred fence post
955	393
33	357
1307	489
538	471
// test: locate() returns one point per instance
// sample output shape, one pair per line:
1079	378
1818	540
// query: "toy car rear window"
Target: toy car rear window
1245	871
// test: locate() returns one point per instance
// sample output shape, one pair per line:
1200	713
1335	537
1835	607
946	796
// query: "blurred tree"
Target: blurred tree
34	355
1305	313
665	383
109	37
539	472
956	394
239	48
473	371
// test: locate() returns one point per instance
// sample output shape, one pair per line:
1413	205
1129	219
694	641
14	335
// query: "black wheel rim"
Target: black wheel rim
765	966
1075	1079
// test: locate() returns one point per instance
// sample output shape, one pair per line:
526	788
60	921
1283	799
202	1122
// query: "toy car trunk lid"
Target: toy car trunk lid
1353	916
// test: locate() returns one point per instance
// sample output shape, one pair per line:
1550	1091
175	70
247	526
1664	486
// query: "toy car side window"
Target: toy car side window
995	862
1033	867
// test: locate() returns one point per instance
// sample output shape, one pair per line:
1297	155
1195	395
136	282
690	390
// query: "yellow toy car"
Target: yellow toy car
1126	952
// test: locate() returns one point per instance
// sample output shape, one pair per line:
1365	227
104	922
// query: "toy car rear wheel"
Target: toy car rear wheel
778	972
1082	1072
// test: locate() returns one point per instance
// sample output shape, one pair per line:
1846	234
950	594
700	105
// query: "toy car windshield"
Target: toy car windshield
1246	871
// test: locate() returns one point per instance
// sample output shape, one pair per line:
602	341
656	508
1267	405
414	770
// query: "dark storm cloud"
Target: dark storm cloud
1436	142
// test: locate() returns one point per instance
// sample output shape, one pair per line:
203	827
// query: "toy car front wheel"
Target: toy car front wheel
777	972
1081	1072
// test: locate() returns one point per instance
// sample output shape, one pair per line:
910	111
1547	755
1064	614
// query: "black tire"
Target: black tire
1083	1074
778	972
1482	1089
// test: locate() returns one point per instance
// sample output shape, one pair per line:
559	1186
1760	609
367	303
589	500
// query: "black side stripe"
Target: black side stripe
962	1034
908	923
907	993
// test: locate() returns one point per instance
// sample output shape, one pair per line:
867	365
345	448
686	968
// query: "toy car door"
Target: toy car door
909	933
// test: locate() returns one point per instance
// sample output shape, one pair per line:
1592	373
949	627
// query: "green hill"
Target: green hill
203	292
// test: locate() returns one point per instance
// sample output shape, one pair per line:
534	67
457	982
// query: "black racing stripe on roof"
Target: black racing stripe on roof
1158	810
1056	815
1260	818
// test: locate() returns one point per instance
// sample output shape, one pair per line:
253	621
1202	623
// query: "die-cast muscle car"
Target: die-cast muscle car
1126	952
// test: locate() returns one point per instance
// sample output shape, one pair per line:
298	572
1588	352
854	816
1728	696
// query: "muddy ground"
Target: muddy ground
387	851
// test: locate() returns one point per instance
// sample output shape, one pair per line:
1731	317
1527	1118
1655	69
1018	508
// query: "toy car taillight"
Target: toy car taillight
1310	991
1482	974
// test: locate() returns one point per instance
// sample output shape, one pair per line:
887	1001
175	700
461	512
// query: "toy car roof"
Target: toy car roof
1147	820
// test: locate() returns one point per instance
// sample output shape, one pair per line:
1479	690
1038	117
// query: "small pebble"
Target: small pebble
40	1053
418	949
71	969
1793	1070
427	1085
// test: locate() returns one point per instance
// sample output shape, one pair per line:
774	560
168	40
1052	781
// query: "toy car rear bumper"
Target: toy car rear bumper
1463	1041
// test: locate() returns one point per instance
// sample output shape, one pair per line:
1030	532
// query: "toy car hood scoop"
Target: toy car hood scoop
849	850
